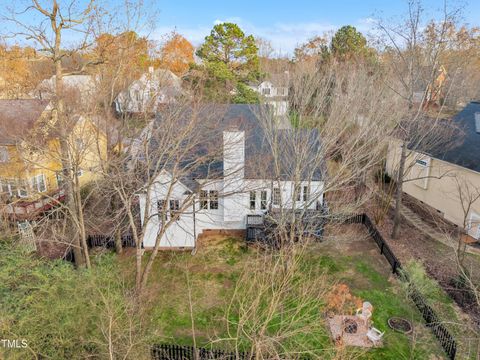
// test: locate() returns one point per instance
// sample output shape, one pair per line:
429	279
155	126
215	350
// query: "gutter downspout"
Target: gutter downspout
194	251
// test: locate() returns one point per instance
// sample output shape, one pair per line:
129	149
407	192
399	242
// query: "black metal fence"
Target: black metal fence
105	241
69	256
432	321
108	241
177	352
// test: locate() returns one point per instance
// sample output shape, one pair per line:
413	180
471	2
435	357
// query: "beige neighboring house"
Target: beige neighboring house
447	180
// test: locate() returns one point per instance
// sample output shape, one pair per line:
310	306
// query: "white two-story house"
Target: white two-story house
274	89
248	178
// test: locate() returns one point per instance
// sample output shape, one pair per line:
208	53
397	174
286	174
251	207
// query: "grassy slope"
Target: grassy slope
212	274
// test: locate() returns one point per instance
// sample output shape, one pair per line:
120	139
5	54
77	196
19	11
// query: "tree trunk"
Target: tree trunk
398	195
68	186
118	241
81	222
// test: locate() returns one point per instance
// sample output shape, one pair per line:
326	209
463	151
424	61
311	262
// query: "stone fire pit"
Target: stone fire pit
350	330
350	326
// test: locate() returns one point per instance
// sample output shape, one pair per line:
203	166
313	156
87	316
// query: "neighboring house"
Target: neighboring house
153	89
274	89
458	169
79	86
30	159
243	181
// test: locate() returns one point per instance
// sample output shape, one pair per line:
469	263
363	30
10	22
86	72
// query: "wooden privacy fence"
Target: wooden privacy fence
432	321
177	352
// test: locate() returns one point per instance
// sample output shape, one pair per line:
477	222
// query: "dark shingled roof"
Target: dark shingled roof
17	117
467	152
259	159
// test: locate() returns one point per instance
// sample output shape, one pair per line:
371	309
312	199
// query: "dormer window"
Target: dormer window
3	154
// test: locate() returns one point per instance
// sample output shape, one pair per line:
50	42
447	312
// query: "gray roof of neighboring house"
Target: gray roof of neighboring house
467	152
18	117
259	158
277	79
83	84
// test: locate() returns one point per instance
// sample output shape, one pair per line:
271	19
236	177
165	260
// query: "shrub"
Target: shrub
61	312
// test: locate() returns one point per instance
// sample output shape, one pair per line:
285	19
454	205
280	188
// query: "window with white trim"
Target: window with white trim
306	193
3	154
23	189
421	172
162	214
39	183
174	207
59	178
209	199
253	200
203	199
266	91
473	227
80	144
263	200
137	95
298	192
213	199
276	196
8	187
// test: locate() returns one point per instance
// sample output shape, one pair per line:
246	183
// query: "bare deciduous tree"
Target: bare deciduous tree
413	64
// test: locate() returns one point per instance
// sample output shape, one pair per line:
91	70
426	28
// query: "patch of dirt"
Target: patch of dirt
228	284
51	249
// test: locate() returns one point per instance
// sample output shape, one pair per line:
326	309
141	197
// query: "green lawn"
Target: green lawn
185	288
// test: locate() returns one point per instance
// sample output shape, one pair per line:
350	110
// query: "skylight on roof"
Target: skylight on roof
477	122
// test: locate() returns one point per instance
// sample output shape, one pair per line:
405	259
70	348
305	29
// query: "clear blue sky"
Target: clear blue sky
287	23
284	23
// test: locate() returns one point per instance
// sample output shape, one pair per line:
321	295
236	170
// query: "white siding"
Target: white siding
183	233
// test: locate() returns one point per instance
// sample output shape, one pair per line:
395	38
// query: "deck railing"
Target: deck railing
254	220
